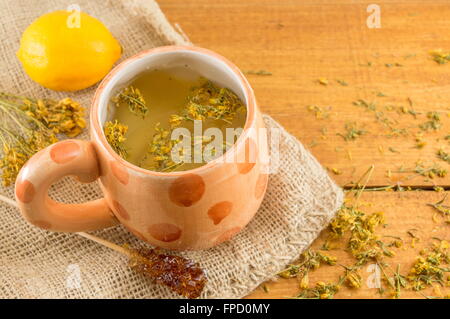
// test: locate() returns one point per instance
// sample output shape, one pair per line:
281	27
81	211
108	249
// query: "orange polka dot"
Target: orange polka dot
261	184
227	235
187	190
41	224
120	172
121	211
25	191
251	154
165	232
64	152
219	211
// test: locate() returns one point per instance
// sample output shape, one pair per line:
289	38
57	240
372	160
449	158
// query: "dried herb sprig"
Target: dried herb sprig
133	99
209	101
441	154
433	123
351	277
441	208
371	106
29	125
182	275
115	135
319	112
431	172
258	72
363	240
159	150
321	290
309	260
396	283
352	132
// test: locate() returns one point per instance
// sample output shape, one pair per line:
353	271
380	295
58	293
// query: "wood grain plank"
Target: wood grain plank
300	42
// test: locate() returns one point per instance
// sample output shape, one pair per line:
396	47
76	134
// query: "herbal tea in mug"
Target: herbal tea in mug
173	120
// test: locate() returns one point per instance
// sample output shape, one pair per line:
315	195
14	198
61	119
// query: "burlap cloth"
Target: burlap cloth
300	201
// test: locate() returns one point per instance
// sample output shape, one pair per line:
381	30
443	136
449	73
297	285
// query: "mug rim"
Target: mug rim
99	136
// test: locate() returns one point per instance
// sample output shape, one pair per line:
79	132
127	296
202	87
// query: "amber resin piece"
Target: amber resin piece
183	276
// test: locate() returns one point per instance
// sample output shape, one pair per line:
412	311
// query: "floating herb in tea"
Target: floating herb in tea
29	125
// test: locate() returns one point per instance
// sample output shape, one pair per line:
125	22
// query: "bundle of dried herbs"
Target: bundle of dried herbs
433	123
183	276
29	125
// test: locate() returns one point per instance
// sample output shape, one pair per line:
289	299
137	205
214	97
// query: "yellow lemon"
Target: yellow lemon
67	51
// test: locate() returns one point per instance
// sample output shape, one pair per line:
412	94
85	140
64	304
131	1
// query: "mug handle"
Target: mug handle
68	157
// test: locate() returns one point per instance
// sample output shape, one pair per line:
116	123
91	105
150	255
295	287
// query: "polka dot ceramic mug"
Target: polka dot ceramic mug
194	209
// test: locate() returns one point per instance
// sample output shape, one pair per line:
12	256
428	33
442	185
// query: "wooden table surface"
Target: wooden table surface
300	42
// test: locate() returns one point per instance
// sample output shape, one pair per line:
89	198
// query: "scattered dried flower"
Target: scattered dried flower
133	98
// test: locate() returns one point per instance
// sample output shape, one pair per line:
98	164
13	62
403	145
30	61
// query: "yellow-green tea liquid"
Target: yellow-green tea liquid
165	93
